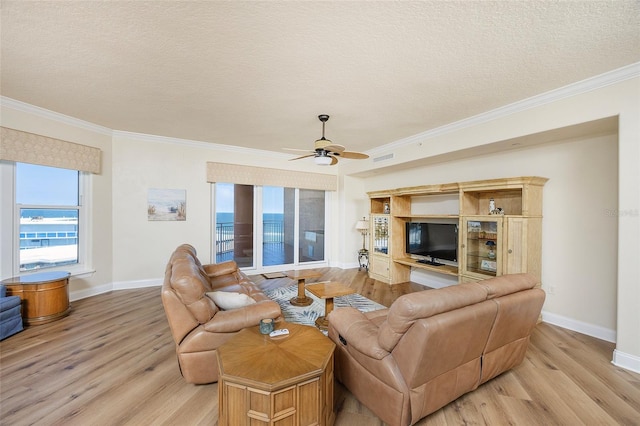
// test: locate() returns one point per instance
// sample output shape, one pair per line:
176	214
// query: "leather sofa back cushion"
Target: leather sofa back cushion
501	286
224	268
456	341
190	287
424	304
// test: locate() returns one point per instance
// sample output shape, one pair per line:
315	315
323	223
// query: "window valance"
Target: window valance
249	175
24	147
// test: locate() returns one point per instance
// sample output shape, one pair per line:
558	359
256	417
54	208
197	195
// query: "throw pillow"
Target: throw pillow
227	300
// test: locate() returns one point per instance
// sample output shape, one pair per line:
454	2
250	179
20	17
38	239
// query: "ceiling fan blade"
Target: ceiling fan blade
334	147
353	155
304	156
334	160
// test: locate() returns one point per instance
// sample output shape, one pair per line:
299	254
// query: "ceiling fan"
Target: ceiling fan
325	152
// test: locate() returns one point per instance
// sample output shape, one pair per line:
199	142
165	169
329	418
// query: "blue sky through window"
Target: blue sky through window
273	198
42	185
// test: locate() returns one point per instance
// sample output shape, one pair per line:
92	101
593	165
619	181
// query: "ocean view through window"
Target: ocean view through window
48	207
289	229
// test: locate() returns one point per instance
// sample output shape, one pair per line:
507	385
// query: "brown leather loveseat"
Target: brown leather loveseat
433	346
197	324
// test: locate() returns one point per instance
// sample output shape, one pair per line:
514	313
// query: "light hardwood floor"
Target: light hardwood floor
112	362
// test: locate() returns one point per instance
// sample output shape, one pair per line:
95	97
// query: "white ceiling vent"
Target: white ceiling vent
383	157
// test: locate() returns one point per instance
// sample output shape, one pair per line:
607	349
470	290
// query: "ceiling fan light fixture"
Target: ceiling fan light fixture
325	152
323	160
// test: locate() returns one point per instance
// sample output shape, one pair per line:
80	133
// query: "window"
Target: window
269	217
47	217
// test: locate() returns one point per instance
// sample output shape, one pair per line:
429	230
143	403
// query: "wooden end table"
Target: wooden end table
45	296
301	276
275	381
328	291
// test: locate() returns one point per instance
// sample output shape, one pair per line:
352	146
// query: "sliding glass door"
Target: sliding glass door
287	223
278	225
311	237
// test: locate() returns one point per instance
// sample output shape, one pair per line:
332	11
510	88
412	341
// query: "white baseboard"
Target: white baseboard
93	291
129	285
121	285
626	361
579	326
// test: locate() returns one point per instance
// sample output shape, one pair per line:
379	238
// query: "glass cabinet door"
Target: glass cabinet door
481	246
380	233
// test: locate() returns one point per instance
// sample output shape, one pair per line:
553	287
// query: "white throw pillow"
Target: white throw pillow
227	300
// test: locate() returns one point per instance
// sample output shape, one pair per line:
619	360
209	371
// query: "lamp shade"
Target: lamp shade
362	225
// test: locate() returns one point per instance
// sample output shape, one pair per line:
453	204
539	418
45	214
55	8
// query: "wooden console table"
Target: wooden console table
45	296
286	380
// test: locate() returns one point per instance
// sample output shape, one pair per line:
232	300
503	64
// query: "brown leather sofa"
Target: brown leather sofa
198	326
433	346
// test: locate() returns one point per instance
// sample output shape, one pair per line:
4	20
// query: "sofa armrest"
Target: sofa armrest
217	269
358	331
248	316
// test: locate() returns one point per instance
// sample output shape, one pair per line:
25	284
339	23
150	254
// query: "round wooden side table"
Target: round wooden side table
45	296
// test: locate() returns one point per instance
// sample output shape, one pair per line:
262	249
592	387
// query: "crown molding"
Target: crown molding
573	89
197	144
54	116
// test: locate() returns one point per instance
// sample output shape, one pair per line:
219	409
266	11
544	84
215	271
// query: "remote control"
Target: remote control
277	333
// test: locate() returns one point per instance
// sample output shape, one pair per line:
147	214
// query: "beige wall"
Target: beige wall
142	247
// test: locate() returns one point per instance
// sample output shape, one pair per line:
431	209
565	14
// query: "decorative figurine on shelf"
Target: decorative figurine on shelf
491	244
493	209
386	208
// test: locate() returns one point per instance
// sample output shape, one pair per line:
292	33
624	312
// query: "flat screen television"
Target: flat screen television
432	240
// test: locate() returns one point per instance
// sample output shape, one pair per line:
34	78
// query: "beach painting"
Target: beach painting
167	204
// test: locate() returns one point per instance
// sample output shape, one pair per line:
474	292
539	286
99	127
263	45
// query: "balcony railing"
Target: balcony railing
272	233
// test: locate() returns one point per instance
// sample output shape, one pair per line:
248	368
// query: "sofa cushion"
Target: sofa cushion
503	285
218	269
227	300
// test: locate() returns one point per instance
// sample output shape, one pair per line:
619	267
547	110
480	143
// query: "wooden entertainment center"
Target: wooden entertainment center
507	240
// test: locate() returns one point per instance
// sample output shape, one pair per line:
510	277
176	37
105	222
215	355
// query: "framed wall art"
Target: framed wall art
167	204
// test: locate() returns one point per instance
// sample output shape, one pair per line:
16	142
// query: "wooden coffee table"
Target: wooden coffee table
328	291
272	381
301	276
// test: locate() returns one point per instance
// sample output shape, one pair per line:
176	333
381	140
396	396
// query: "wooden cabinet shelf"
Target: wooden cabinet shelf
443	269
427	216
489	244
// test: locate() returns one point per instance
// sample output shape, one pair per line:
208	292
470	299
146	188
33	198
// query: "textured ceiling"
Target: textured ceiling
257	74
